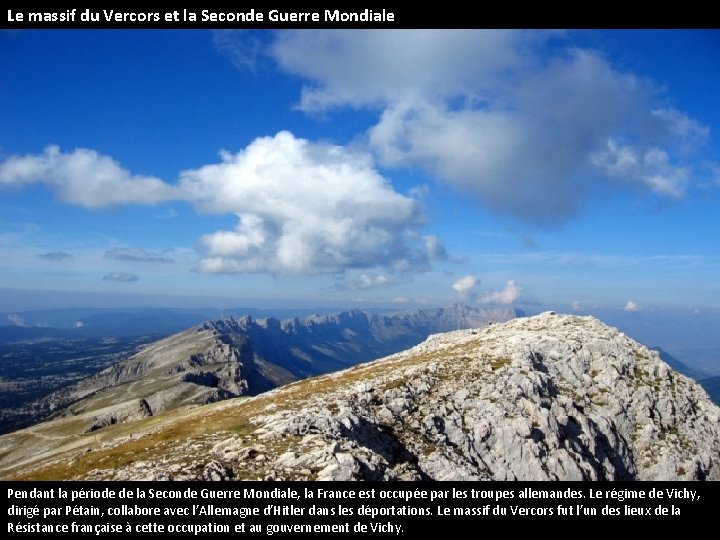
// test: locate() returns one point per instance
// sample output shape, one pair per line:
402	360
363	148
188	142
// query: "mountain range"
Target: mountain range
231	357
74	323
549	397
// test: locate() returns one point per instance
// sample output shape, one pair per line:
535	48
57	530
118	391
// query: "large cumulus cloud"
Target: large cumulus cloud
304	207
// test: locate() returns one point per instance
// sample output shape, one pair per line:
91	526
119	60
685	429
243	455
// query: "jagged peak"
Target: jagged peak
229	323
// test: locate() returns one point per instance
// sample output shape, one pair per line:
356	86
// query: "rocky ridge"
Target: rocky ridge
232	357
551	397
195	366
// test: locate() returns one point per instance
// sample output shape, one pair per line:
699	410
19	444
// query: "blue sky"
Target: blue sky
568	170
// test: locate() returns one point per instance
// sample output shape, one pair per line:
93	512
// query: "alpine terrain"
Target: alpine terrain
231	357
550	397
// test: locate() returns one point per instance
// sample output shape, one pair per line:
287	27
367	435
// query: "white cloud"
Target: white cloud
648	166
85	177
368	281
687	132
509	294
576	305
120	276
302	207
495	113
632	306
136	254
306	208
465	284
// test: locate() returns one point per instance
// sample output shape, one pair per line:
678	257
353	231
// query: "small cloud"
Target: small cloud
576	305
651	167
120	276
464	287
136	254
55	255
465	284
632	306
401	300
367	281
507	295
85	177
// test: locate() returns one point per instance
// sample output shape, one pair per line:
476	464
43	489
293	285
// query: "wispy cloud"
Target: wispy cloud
632	306
245	52
648	166
595	260
120	276
368	281
170	213
137	254
55	256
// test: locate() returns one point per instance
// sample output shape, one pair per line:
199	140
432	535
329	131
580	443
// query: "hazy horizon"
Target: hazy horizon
42	299
689	334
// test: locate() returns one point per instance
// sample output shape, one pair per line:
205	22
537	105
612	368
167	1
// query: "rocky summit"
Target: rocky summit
550	397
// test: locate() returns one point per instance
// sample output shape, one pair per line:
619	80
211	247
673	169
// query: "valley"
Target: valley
32	370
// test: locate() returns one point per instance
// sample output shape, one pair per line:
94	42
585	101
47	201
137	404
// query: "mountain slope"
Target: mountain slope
234	357
548	397
195	366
